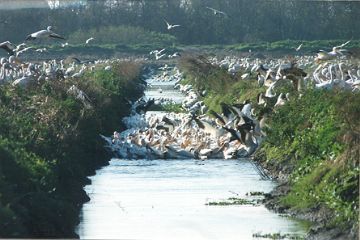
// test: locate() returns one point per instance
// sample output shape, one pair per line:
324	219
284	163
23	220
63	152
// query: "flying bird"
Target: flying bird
170	26
336	51
89	40
299	47
216	12
23	51
48	33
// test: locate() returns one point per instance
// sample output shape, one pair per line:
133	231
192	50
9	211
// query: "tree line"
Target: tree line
243	21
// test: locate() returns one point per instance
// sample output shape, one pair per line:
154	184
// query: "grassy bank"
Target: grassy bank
100	48
285	46
312	142
49	143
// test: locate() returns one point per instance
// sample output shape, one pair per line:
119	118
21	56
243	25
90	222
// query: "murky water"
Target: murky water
166	199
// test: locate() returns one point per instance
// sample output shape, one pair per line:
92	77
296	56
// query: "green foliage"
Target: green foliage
49	143
167	107
315	137
121	35
220	85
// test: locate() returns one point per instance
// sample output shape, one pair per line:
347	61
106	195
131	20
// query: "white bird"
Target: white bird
41	50
216	12
299	47
48	33
23	50
336	51
171	26
89	40
64	44
158	56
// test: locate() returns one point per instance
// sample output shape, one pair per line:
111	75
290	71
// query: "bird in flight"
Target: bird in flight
170	26
44	34
299	47
336	51
89	40
216	12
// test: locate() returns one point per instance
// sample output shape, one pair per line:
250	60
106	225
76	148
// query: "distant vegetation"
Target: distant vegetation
121	35
245	21
49	143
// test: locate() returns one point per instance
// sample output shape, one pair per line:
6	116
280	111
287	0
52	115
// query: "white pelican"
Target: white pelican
216	12
171	26
336	51
89	40
48	33
299	47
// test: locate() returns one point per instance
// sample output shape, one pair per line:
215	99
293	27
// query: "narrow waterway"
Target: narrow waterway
167	199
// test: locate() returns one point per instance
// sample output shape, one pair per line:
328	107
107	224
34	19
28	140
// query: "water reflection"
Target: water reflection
165	199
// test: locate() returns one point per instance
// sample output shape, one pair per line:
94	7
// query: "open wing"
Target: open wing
54	35
7	49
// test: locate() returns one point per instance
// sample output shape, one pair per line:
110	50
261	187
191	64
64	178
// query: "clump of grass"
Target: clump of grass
168	107
233	201
255	194
278	236
219	84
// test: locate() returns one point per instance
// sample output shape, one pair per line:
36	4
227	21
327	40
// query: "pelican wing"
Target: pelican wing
216	115
54	35
344	44
7	48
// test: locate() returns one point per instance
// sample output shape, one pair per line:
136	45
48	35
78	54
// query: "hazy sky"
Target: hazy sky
11	4
16	4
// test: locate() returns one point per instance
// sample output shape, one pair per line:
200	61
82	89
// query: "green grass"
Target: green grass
121	34
168	107
316	137
283	46
218	83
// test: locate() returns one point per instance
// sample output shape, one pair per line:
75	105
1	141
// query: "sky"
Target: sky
17	4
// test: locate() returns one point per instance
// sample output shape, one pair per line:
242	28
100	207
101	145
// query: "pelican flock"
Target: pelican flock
237	131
